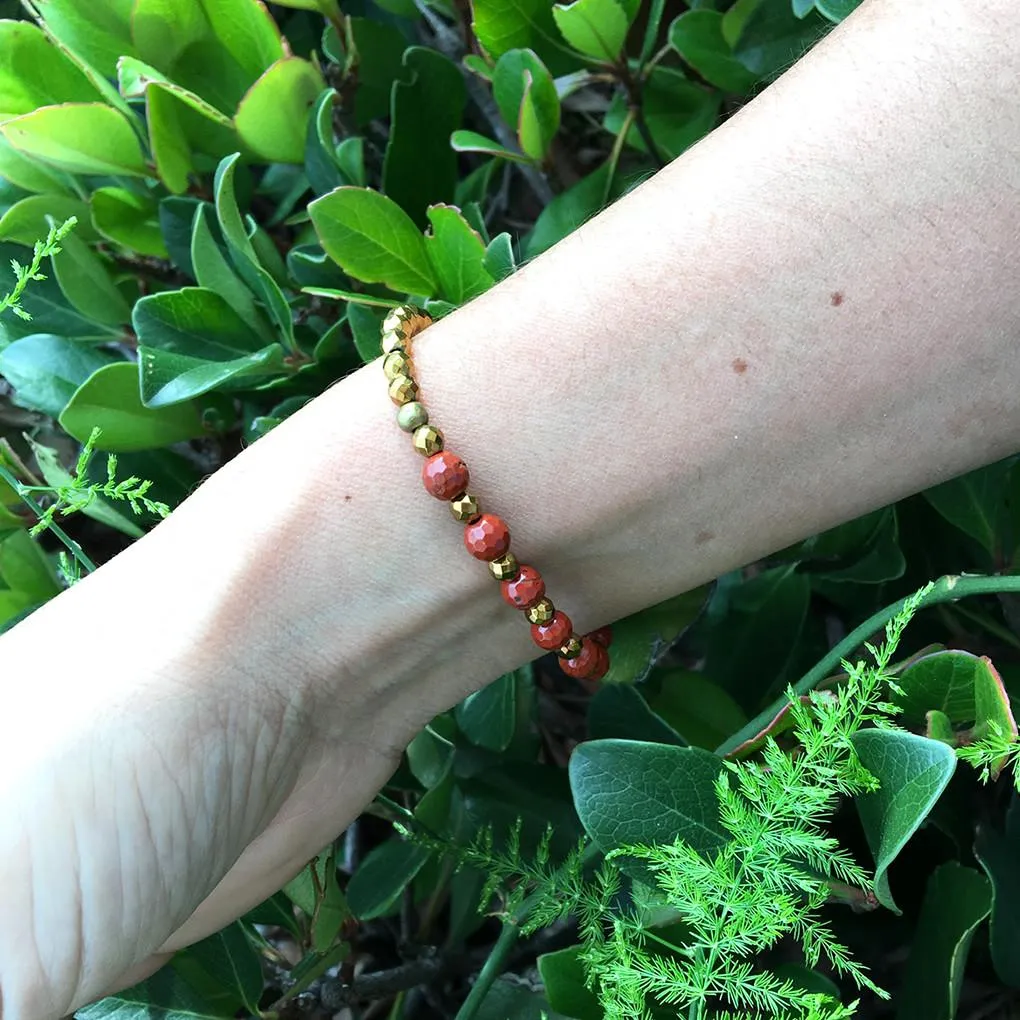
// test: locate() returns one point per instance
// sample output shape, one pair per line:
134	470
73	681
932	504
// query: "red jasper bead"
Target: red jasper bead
584	663
445	475
487	538
552	635
601	667
604	636
525	589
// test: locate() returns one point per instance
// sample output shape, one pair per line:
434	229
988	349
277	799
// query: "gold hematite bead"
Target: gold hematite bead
403	389
400	325
396	363
412	416
464	507
541	612
428	440
506	568
571	647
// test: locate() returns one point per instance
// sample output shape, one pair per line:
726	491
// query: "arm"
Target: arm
812	313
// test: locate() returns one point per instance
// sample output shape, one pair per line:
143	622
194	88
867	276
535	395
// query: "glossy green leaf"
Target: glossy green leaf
382	876
499	259
328	8
837	10
472	141
566	212
45	370
639	639
457	255
618	711
420	168
429	756
129	220
350	157
773	38
372	239
85	280
316	890
999	854
321	164
489	716
25	221
277	911
100	32
165	996
272	119
164	29
526	96
698	709
34	73
26	574
30	174
501	25
563	977
956	901
379	53
168	378
110	399
85	138
697	36
247	31
365	323
629	792
597	28
224	968
913	771
977	503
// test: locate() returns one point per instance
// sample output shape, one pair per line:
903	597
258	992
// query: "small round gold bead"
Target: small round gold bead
403	389
401	325
465	508
571	648
396	363
428	440
412	416
506	568
541	612
394	341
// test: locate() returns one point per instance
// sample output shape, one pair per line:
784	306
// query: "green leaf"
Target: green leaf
619	711
30	174
110	399
129	220
978	504
773	38
272	119
176	220
247	31
628	792
34	73
489	716
350	157
25	221
457	255
45	370
100	32
84	138
698	709
697	36
597	28
913	771
379	53
563	976
510	999
277	911
164	996
472	141
327	8
499	257
224	968
501	25
27	575
317	892
86	283
999	854
526	96
420	168
566	212
956	901
162	30
429	756
639	639
365	324
169	378
321	164
382	876
837	10
372	239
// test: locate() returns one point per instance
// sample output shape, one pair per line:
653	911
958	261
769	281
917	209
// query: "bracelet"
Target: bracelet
486	536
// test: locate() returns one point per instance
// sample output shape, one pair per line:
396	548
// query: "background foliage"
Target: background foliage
252	188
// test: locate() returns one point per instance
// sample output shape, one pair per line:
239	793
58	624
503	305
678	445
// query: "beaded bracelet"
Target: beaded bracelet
486	536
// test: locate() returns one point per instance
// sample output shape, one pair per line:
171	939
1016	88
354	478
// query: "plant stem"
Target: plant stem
492	969
72	546
946	589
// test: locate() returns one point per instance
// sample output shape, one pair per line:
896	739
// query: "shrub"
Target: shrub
205	210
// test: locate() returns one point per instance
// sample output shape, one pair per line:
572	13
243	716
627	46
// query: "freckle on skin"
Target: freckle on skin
702	537
347	499
739	366
837	297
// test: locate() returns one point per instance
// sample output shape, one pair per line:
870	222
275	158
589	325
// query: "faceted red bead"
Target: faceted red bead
604	636
552	635
601	667
525	589
585	661
445	475
487	538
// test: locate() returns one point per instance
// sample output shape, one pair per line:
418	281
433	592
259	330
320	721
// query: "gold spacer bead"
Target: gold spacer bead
403	389
506	568
428	440
571	648
396	363
465	508
412	416
541	612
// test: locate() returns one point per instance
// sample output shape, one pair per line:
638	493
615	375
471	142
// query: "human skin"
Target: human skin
812	313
